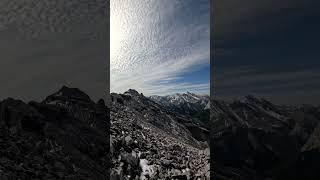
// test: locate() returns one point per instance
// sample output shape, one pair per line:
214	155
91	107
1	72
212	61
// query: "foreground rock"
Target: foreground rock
64	137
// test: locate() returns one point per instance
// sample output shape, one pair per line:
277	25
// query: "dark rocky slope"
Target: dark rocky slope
150	142
254	139
63	137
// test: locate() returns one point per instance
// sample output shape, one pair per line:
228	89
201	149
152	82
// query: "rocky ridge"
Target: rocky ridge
148	142
63	137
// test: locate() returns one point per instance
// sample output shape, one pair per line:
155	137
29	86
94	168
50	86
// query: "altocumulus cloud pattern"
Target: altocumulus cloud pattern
45	16
155	44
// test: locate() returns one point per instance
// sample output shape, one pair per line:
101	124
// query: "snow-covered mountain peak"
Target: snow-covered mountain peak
188	102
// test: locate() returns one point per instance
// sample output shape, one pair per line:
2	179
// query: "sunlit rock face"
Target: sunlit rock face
151	141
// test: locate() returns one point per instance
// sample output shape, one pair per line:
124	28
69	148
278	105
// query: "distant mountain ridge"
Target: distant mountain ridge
186	103
255	139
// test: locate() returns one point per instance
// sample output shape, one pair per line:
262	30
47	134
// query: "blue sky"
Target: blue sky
160	47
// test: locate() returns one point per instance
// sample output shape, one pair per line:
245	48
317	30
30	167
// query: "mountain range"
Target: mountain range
185	103
256	139
65	136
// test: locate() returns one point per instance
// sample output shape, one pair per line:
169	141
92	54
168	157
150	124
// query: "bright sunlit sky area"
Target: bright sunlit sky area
160	47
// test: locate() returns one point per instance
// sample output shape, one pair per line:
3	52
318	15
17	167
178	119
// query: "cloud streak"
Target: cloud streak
154	43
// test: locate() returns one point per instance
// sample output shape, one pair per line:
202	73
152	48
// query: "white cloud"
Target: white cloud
154	42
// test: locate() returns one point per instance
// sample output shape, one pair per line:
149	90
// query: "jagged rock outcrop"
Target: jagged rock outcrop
52	140
254	139
148	142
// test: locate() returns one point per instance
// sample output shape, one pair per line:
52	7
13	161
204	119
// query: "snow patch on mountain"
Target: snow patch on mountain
187	103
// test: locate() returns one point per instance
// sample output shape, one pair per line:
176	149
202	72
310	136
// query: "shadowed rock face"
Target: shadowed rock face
149	141
255	139
64	137
68	94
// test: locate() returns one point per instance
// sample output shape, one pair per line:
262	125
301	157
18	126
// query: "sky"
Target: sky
47	44
267	48
160	47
